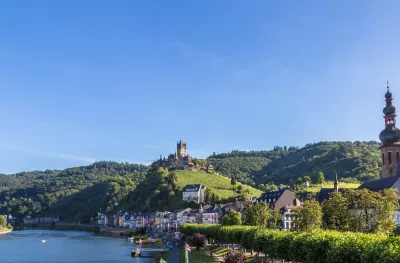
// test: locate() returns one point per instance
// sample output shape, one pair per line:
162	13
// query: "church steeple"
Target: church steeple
390	138
389	110
336	183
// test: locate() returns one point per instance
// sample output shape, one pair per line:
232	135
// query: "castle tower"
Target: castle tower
390	138
181	149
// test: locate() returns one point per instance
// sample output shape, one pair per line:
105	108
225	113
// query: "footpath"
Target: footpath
174	255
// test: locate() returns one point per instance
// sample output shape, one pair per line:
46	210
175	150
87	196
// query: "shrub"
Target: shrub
234	257
316	247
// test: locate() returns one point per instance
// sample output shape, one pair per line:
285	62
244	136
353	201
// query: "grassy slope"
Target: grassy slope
195	256
316	187
217	184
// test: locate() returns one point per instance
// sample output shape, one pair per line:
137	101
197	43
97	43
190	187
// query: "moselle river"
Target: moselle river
30	246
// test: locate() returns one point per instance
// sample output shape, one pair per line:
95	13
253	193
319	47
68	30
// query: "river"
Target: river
32	246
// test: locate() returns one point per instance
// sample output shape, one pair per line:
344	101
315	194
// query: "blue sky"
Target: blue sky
124	80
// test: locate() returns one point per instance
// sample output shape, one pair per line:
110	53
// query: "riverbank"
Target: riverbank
60	227
122	232
5	231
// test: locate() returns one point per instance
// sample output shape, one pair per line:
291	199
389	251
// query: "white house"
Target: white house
209	218
288	214
193	192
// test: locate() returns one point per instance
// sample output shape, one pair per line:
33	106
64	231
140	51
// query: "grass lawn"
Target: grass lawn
218	184
315	188
164	256
195	256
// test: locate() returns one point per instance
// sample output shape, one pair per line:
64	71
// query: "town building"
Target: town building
288	214
277	199
193	192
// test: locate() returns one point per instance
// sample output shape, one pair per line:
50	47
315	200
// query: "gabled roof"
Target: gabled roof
191	188
270	195
325	193
380	184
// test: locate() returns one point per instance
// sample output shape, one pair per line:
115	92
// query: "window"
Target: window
390	157
383	158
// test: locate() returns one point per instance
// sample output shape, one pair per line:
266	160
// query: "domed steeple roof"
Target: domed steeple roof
391	134
388	93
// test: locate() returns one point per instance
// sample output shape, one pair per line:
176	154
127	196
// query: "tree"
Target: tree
308	217
276	217
3	221
198	240
320	178
387	205
336	212
232	218
233	183
299	184
257	215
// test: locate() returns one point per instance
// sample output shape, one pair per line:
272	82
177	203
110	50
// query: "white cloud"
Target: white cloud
85	159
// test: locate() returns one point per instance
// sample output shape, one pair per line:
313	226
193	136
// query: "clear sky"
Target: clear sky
124	80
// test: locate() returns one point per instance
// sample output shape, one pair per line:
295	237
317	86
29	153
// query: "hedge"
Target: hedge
316	247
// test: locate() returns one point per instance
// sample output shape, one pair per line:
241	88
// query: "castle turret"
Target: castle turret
181	149
390	138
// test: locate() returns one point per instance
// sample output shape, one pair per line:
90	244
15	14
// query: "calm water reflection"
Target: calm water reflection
64	246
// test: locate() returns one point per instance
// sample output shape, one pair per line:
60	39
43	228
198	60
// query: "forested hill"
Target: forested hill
162	190
75	193
283	165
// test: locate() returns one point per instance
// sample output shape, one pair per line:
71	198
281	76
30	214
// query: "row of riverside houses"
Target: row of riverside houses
282	200
208	214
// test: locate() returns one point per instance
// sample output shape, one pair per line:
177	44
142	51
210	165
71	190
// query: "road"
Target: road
174	255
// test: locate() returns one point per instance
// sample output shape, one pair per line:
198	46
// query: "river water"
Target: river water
64	246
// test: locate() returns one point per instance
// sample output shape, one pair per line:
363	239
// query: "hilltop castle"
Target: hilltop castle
182	160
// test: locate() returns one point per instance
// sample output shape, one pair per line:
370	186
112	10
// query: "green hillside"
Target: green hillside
217	184
162	190
283	165
76	193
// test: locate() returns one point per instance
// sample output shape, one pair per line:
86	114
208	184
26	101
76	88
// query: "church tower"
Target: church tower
390	138
181	149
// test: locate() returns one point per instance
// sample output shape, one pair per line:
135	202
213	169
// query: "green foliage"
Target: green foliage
162	190
257	215
75	194
199	162
3	221
362	211
336	212
316	247
360	160
320	178
308	217
232	218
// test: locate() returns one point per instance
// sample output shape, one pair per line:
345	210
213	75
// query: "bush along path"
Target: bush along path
316	247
